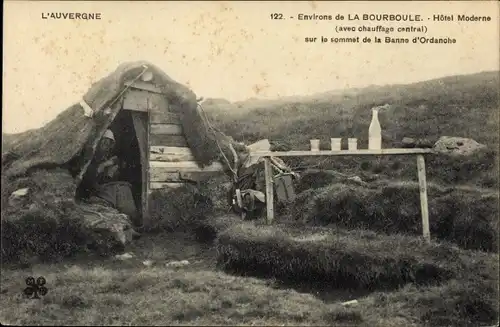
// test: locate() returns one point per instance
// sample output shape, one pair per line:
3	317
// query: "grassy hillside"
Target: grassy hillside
460	105
465	106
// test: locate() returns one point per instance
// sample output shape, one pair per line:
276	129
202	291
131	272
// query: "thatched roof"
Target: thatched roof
72	136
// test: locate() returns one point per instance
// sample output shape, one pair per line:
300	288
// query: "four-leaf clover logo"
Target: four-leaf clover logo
35	288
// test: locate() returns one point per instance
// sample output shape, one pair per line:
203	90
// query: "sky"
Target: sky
231	50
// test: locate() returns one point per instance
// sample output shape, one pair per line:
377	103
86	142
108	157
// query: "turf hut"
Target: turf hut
158	125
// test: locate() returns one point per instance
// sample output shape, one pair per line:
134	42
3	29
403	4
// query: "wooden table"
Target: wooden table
419	153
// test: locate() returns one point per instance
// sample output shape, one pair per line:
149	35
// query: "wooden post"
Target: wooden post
146	216
423	197
269	190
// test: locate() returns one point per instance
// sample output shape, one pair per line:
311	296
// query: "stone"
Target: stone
124	256
21	192
459	146
148	263
350	303
18	196
111	228
408	142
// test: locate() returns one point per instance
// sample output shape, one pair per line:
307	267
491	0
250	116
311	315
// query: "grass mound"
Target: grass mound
45	223
465	216
341	259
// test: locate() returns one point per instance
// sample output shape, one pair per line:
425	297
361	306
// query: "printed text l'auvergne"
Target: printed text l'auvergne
72	15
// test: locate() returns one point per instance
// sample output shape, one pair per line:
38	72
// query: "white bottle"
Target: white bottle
375	132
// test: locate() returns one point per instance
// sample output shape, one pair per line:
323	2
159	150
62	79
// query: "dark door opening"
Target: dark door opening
127	149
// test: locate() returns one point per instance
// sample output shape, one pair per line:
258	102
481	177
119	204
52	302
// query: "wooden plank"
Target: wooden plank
141	128
269	190
170	150
340	153
156	186
167	140
171	157
136	100
145	86
423	197
162	175
167	129
184	166
171	153
158	103
164	117
145	101
199	176
146	218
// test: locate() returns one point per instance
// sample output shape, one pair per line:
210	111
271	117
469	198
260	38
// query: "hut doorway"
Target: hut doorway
130	130
127	127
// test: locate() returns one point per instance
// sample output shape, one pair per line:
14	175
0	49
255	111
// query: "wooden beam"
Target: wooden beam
184	166
170	153
340	153
199	176
167	140
167	129
269	190
423	197
171	157
146	218
160	175
170	149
